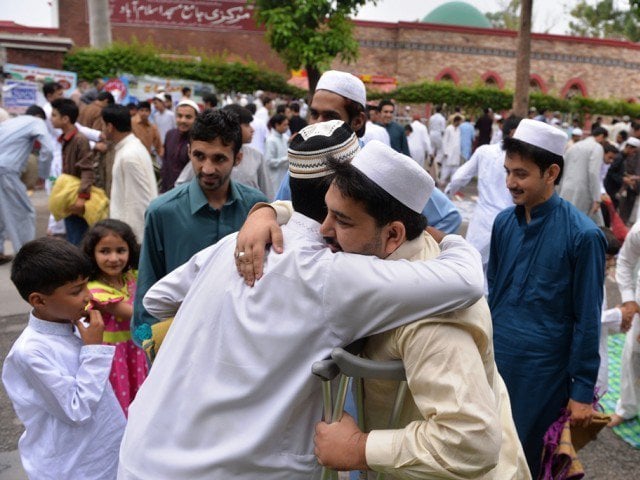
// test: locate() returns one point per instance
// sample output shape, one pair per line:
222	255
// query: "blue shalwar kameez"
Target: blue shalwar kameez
545	294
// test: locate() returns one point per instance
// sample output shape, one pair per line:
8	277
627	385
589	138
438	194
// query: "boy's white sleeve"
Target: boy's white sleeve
71	399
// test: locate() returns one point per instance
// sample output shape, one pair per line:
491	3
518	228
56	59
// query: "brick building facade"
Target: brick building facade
405	51
560	65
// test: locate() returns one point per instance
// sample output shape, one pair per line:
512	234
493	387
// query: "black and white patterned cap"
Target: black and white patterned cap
310	148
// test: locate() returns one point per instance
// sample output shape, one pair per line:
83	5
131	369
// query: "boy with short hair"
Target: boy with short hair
76	160
59	382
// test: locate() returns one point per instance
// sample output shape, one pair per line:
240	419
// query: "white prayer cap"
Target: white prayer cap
344	84
542	135
159	96
189	103
633	142
497	117
398	175
576	131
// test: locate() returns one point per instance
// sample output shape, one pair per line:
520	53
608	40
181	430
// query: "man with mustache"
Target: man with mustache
546	265
197	214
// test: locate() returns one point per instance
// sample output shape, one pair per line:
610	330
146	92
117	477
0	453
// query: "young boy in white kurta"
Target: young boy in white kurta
57	372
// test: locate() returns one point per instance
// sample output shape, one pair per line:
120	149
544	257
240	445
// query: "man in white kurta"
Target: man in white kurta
450	150
580	183
133	181
487	164
248	405
628	406
437	125
419	142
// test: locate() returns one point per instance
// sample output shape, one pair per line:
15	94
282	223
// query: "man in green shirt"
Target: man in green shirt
197	214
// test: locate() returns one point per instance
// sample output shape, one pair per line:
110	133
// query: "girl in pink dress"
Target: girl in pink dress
112	247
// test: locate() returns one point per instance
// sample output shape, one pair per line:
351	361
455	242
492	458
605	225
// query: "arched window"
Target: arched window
448	75
493	79
537	84
574	87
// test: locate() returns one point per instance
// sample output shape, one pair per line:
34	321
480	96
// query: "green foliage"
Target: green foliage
310	33
139	59
605	20
477	98
507	16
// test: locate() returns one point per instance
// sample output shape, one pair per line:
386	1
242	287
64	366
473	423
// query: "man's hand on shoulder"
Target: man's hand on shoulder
259	230
341	445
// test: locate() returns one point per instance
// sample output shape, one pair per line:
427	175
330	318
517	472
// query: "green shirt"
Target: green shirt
180	223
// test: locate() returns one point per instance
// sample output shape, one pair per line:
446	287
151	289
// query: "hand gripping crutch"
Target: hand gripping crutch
327	370
362	368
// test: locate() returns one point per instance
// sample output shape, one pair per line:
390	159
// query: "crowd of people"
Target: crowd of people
160	218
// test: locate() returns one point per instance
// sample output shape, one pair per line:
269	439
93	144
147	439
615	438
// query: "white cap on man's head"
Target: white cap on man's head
576	131
344	84
159	96
398	175
542	135
189	103
633	142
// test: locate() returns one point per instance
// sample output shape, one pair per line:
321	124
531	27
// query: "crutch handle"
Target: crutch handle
327	369
354	366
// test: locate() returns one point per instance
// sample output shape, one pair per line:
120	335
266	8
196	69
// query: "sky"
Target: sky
548	15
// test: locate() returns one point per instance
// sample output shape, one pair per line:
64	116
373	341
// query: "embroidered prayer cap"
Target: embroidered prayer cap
190	103
310	148
542	135
344	84
633	142
397	174
159	96
576	131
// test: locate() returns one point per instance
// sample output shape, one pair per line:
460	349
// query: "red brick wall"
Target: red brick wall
42	59
241	46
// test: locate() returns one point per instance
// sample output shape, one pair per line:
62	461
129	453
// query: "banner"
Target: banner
18	95
68	80
145	87
199	14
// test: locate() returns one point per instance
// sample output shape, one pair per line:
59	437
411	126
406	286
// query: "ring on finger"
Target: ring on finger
240	254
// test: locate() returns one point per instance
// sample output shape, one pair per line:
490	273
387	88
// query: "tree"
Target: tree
523	62
605	20
310	33
508	15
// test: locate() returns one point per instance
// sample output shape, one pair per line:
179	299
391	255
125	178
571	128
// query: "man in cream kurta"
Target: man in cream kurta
247	407
450	150
442	355
133	181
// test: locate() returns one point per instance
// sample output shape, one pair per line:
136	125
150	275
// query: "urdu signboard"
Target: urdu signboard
199	14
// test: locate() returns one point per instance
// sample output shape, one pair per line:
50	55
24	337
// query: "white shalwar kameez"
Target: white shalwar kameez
375	132
419	142
451	153
486	163
231	393
628	405
133	184
61	392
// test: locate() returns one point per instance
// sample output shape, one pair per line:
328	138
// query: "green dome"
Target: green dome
458	13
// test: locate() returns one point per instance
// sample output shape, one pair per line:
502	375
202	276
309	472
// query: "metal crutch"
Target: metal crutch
327	370
358	367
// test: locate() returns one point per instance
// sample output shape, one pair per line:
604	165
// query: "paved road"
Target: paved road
607	458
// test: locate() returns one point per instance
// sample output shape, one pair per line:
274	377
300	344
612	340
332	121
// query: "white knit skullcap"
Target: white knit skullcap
310	148
189	103
398	175
576	131
344	84
542	135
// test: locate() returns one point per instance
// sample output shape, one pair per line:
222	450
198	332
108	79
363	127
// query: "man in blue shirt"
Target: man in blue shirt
17	138
545	274
195	215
